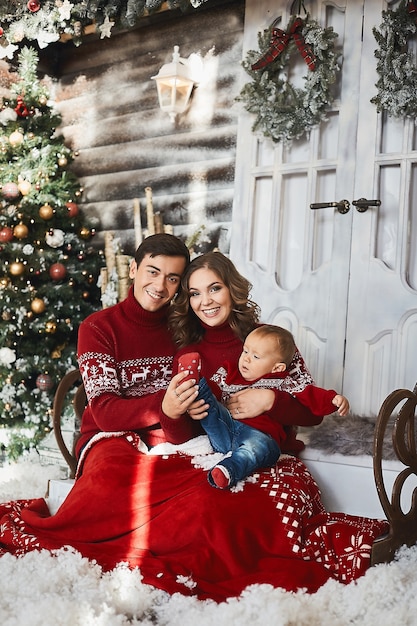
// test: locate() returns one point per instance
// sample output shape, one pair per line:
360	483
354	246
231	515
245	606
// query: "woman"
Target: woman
212	315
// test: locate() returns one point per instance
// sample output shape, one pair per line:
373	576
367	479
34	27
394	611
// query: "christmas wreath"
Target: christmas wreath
285	112
397	93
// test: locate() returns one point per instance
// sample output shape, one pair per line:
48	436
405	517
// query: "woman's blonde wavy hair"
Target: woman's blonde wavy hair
244	317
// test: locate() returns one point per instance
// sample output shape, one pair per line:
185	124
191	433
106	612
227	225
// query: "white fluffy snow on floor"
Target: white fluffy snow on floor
65	589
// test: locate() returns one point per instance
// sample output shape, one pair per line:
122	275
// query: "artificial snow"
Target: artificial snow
64	589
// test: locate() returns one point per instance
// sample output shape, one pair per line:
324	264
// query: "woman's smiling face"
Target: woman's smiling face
210	299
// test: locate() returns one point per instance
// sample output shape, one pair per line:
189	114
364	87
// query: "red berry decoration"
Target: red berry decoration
72	209
1	32
6	234
57	271
44	382
33	6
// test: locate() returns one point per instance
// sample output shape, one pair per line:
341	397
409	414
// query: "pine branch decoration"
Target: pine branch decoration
52	19
397	71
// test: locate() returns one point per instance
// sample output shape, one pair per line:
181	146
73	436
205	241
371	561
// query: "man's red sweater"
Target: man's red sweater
125	356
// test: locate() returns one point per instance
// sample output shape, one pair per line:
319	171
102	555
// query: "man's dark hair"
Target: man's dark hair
162	244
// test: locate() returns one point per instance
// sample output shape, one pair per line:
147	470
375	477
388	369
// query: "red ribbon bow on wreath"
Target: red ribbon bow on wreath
280	40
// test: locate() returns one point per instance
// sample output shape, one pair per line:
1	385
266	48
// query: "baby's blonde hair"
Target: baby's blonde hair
284	341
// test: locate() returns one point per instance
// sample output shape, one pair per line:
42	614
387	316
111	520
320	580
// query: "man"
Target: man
125	352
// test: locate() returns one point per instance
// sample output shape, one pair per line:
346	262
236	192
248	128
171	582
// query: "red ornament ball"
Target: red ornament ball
57	271
33	5
6	234
72	208
44	382
1	32
10	191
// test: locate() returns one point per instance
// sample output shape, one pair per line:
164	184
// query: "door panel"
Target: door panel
298	259
382	300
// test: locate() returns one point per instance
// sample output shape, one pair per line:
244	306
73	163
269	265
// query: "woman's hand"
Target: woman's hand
198	410
179	396
250	403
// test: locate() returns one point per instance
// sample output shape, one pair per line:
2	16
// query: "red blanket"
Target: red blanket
160	514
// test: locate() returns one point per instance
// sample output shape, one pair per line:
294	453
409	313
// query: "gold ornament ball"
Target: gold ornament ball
24	187
37	305
6	316
17	268
50	327
46	212
20	231
62	161
4	282
16	139
43	100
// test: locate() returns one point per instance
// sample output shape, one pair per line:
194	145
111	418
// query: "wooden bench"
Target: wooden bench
396	418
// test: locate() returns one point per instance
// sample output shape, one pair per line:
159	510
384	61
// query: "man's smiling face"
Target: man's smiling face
156	280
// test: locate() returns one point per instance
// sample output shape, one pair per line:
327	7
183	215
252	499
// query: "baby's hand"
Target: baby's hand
342	404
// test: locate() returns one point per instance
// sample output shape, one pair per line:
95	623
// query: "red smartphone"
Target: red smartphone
191	362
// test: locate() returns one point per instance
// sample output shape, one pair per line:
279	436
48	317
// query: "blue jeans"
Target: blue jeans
251	449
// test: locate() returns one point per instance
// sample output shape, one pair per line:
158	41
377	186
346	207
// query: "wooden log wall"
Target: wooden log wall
125	143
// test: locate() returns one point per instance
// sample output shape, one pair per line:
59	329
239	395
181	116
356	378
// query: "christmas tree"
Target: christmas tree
48	266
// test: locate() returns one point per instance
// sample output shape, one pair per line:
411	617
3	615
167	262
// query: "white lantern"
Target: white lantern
175	84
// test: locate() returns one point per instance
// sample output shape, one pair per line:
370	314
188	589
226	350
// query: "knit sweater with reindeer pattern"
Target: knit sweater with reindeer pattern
125	357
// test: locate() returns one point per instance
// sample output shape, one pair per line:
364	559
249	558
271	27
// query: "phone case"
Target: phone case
191	362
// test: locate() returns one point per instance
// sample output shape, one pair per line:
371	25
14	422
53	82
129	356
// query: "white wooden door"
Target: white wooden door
344	283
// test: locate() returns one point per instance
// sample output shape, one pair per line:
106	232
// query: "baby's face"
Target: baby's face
258	357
